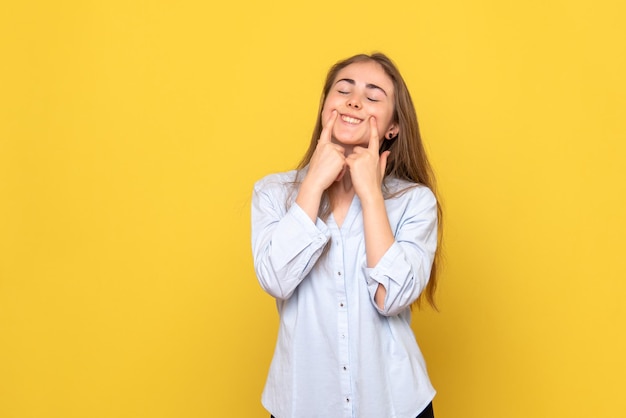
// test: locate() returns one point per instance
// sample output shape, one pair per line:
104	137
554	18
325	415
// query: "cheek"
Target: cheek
330	103
383	122
326	110
325	117
329	106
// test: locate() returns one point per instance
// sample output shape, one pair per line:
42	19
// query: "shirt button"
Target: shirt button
341	304
345	368
339	273
347	399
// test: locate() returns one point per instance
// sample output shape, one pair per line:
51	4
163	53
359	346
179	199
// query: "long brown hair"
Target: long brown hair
408	159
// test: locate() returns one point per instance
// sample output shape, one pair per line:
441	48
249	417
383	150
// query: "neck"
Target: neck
348	149
341	189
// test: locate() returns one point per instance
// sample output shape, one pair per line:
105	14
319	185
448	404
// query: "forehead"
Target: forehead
366	72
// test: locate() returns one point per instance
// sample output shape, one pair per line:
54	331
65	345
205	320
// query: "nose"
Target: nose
354	103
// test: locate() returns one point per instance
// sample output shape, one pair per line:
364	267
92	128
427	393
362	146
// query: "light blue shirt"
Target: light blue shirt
337	354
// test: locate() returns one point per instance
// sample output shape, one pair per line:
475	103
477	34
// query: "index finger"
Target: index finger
374	138
328	127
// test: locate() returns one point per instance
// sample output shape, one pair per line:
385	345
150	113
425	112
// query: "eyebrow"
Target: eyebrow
368	85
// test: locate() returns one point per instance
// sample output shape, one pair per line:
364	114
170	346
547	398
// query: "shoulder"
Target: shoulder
410	203
278	186
408	191
276	180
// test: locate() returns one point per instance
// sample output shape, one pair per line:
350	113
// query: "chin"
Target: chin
351	140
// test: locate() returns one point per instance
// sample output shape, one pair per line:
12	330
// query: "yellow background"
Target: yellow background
131	133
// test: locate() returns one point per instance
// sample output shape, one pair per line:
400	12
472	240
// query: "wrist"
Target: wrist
309	199
373	198
309	187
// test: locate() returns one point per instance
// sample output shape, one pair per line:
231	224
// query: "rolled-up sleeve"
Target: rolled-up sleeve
404	270
285	242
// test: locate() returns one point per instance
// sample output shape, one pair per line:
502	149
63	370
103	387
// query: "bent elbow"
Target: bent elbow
401	299
272	284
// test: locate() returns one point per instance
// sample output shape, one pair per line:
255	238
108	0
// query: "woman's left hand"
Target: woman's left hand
367	167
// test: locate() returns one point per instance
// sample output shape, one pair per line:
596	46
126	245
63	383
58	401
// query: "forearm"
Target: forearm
285	249
404	269
309	199
378	237
285	243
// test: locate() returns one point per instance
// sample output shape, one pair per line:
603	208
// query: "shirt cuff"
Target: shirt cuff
297	232
388	269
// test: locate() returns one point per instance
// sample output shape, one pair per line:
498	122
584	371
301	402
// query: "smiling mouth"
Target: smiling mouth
351	120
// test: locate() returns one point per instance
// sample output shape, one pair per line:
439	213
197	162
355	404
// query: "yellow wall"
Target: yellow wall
131	133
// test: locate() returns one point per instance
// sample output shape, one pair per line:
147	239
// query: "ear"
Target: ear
392	131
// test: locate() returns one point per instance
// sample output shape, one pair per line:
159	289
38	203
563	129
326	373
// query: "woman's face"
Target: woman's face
360	91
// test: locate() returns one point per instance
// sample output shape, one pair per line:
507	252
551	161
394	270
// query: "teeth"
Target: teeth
348	119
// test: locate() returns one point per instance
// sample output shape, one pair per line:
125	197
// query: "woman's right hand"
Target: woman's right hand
328	162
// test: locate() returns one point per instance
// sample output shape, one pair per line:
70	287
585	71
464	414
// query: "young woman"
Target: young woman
346	244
